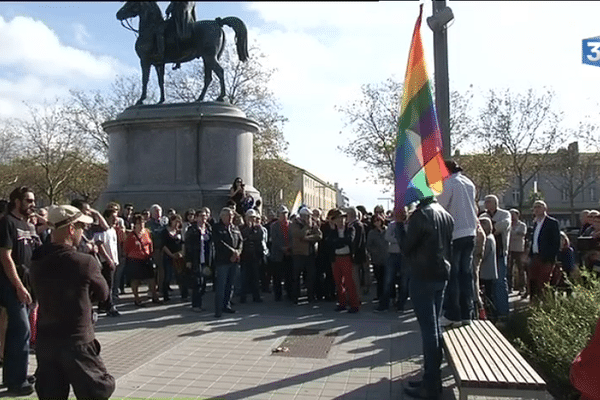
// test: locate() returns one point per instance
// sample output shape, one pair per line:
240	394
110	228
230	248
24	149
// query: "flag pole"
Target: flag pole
442	86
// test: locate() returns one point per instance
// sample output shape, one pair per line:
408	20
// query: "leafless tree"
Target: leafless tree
524	126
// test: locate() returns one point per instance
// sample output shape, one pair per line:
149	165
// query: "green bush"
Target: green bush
552	332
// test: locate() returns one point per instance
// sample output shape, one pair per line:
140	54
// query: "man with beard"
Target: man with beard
16	247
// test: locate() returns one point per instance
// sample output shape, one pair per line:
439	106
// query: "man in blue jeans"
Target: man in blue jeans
458	198
427	246
16	246
228	244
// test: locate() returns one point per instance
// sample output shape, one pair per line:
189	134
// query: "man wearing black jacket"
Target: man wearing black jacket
545	246
228	244
427	245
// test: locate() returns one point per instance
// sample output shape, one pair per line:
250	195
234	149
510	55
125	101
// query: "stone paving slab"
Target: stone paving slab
167	351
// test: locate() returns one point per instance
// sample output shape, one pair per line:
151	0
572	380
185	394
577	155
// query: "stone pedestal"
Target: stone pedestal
178	155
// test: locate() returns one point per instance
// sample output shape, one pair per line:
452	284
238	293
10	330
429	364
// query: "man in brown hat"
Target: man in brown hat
66	282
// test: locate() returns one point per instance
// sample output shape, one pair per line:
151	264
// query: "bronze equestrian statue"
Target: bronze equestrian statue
161	42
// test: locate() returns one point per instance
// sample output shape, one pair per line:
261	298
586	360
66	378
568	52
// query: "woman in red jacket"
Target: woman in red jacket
585	370
138	251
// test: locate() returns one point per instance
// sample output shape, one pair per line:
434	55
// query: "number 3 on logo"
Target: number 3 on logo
591	51
595	49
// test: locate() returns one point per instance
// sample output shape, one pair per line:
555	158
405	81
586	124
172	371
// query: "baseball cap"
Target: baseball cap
252	213
59	216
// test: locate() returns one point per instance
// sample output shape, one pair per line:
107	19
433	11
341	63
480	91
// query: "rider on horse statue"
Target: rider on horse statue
183	14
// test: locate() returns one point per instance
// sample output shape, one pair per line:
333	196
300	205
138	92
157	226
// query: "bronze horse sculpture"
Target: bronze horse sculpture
207	42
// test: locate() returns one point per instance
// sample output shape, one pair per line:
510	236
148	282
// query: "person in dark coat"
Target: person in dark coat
545	246
66	282
427	245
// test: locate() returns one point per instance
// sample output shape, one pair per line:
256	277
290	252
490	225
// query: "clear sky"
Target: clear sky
323	53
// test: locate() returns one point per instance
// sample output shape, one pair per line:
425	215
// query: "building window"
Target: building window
516	196
593	194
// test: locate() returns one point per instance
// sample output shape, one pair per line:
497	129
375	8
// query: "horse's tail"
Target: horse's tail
241	34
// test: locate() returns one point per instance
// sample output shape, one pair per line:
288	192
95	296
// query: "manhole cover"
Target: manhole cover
306	342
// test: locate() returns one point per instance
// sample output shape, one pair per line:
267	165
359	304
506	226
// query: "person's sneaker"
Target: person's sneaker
448	323
113	312
422	392
24	390
418	384
466	322
228	310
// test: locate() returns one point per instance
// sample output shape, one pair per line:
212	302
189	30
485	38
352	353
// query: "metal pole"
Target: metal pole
442	89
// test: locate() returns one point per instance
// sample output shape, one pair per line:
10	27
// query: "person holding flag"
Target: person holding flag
427	244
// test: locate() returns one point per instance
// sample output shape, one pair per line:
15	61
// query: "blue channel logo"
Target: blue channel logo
591	51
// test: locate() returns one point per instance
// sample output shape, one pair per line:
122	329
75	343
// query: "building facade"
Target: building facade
315	192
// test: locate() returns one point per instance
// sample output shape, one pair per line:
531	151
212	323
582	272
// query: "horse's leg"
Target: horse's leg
219	72
208	68
160	73
145	75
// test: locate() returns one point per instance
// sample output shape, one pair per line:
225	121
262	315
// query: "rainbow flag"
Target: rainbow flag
420	168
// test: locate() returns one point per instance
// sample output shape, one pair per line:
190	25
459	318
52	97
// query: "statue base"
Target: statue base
179	156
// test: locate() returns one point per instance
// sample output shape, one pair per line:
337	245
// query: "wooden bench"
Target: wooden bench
486	364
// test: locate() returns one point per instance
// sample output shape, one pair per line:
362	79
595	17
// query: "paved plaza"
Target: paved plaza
168	351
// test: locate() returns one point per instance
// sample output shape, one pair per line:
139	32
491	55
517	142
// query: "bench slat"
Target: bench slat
469	373
505	377
475	358
487	356
531	376
454	358
507	359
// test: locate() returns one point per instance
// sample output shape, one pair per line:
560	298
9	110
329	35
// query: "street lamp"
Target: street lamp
438	22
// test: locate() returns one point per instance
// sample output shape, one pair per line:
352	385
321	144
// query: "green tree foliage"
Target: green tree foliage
489	172
275	178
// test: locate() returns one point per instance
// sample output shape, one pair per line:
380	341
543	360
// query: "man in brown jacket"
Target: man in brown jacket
305	234
66	282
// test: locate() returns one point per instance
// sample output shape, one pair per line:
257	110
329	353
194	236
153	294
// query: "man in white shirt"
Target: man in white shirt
545	245
108	252
458	198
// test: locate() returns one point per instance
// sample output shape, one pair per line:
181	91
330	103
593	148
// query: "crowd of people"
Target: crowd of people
311	256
